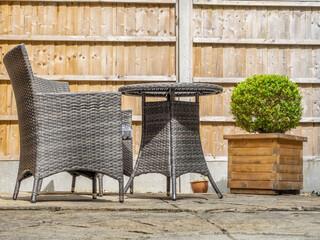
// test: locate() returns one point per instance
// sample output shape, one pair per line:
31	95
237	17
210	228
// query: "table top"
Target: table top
162	89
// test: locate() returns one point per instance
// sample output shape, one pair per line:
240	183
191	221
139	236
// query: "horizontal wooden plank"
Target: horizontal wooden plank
8	117
253	191
246	41
290	144
258	3
250	151
79	38
251	184
290	160
238	80
103	78
231	120
9	157
251	168
289	177
252	176
289	185
289	169
253	143
105	1
289	152
265	136
252	159
134	118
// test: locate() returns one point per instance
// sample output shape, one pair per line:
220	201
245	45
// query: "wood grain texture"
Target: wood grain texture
252	167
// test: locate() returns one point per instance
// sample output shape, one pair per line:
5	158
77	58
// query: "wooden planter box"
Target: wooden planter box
265	163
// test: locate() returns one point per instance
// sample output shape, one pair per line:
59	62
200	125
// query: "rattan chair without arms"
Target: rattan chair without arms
126	117
62	131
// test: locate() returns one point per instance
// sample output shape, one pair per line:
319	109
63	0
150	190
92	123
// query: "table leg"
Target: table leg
215	187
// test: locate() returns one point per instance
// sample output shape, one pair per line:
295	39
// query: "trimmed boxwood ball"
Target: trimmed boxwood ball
266	104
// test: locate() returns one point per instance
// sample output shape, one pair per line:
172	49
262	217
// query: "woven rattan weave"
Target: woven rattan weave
170	142
63	131
126	117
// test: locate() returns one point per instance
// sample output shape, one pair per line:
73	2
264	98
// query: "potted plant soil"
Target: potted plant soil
267	161
200	186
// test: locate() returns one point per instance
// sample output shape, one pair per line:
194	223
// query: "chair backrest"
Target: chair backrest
21	76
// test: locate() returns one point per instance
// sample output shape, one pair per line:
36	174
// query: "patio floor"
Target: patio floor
144	216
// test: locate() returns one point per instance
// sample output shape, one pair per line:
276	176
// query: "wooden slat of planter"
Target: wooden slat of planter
252	184
252	143
288	185
289	169
290	144
250	151
252	167
252	176
289	152
264	136
253	191
252	159
290	160
290	177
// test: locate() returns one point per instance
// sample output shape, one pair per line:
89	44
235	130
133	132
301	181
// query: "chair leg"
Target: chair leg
94	186
100	179
121	192
73	183
40	185
131	188
35	189
168	186
16	190
215	187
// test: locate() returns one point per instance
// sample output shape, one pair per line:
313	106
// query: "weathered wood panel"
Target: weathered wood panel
237	39
94	45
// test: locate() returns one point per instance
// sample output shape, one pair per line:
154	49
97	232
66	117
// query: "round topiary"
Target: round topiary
266	104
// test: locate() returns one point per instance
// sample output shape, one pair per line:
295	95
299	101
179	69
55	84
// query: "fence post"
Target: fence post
185	40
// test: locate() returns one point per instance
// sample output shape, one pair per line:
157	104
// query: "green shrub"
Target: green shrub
266	104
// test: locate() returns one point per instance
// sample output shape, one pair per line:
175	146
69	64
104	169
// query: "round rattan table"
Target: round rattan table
170	141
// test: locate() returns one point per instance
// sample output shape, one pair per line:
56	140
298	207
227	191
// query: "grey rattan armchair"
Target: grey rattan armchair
63	131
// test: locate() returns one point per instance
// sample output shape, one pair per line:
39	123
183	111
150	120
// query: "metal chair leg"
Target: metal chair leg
100	180
16	190
121	192
131	188
35	189
215	187
94	186
73	185
168	186
40	185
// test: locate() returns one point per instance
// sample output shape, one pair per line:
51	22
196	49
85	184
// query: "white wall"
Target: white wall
144	183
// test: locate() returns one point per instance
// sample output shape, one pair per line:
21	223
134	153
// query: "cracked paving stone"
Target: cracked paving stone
22	224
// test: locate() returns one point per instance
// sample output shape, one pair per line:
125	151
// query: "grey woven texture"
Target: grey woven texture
126	117
187	151
63	131
162	89
170	142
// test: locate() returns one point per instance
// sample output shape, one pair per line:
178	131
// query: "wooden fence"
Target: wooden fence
102	45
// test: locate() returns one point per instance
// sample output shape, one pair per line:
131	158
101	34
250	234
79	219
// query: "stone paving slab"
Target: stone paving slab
156	216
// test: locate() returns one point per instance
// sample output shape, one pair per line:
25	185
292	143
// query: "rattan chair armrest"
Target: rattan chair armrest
77	105
80	98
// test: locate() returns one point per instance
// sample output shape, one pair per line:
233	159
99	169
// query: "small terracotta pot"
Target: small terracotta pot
199	186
